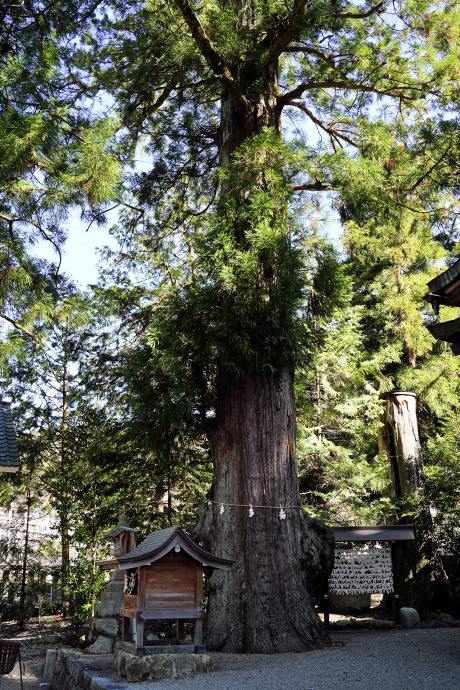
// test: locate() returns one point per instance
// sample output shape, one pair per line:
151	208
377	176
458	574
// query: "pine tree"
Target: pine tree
56	155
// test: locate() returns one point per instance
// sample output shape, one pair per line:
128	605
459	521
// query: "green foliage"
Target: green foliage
343	478
56	156
443	487
220	262
83	583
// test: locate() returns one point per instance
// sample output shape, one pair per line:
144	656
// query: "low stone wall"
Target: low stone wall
73	671
159	666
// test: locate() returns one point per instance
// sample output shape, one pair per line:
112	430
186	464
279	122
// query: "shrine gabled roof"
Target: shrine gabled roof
9	454
160	543
449	331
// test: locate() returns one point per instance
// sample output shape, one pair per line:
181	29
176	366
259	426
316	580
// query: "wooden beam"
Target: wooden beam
168	613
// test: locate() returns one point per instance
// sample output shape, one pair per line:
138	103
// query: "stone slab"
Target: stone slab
106	610
50	661
33	668
156	667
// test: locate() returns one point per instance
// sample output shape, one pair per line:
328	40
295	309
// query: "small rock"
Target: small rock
120	659
203	663
151	636
349	603
450	620
184	665
161	666
33	668
50	662
103	645
441	624
137	669
409	618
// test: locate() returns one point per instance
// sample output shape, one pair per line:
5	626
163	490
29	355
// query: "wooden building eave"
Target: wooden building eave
449	331
160	543
443	284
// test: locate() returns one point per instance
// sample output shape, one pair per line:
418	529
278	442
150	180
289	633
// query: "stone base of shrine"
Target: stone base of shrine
159	666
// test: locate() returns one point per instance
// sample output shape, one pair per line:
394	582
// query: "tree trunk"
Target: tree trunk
265	604
419	571
64	512
22	598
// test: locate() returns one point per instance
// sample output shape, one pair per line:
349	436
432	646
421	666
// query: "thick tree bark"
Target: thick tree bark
419	571
265	604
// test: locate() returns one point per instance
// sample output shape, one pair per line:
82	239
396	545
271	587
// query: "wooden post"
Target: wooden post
399	438
141	593
416	564
198	637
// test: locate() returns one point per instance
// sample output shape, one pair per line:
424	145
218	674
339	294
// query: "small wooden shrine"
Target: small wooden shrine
445	289
164	581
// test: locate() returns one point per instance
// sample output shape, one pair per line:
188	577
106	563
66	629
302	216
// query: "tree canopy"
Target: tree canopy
251	122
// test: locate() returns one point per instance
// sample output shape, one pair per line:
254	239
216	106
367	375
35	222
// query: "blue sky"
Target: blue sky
79	255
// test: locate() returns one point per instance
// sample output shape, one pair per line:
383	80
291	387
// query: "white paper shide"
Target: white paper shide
361	570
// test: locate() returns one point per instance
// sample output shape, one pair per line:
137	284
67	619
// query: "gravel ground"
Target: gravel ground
390	660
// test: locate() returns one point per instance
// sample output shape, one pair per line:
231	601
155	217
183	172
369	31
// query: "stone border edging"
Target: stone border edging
73	672
159	666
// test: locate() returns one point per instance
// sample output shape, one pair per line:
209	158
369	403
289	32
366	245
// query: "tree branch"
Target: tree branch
309	50
433	167
330	130
360	15
317	186
149	110
287	33
19	327
287	97
213	57
45	236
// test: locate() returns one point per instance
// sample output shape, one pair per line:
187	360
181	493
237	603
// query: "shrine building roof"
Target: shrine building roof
9	454
160	543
